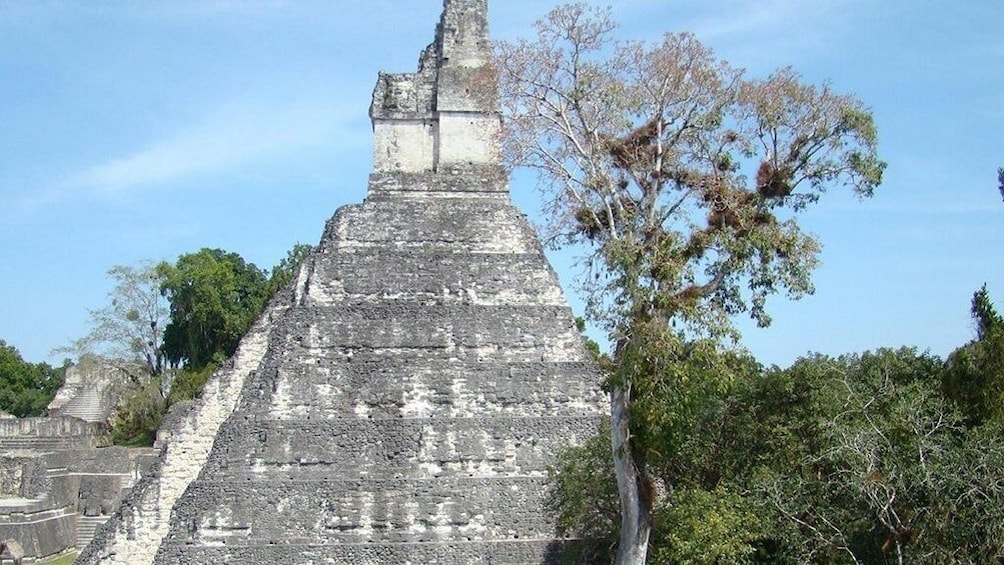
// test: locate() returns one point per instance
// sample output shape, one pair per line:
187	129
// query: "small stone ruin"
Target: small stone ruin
59	479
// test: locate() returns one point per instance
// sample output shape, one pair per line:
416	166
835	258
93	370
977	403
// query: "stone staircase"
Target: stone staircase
88	405
86	526
36	444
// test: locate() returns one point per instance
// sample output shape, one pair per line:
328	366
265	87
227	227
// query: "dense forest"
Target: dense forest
889	456
26	388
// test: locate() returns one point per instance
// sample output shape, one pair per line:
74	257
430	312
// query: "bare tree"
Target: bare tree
129	328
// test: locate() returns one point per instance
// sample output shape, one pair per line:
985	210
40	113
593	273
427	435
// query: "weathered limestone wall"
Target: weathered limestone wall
410	400
103	475
46	427
446	114
37	507
405	129
135	531
463	33
40	532
480	135
61	473
98	378
43	496
408	146
43	435
22	476
449	184
44	481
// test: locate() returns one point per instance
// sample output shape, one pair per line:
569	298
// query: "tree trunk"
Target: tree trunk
636	511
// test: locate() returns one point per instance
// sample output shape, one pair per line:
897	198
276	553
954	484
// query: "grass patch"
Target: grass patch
61	560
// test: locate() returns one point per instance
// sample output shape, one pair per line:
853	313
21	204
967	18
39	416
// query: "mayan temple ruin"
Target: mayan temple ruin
400	403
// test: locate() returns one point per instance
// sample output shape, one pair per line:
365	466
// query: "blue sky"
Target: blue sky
134	131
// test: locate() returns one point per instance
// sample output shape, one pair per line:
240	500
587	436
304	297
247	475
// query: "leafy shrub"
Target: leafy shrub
188	384
136	421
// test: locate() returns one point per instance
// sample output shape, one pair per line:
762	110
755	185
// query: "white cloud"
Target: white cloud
225	141
229	138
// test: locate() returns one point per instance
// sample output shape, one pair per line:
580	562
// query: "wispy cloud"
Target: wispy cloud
227	139
230	138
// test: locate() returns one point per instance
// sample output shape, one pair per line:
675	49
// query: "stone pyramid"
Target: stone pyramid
399	404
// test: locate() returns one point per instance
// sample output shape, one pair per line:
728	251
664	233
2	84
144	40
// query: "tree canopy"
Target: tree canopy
860	458
286	269
975	373
678	170
683	178
215	296
190	314
26	388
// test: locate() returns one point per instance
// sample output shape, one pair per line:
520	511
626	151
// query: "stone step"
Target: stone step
458	224
481	182
499	333
86	527
431	388
522	552
43	444
434	277
393	448
88	405
362	511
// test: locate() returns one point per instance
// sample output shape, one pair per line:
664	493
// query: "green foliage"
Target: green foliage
974	376
832	460
583	496
875	463
675	383
862	457
971	523
136	420
26	388
702	526
188	383
286	269
215	297
129	328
